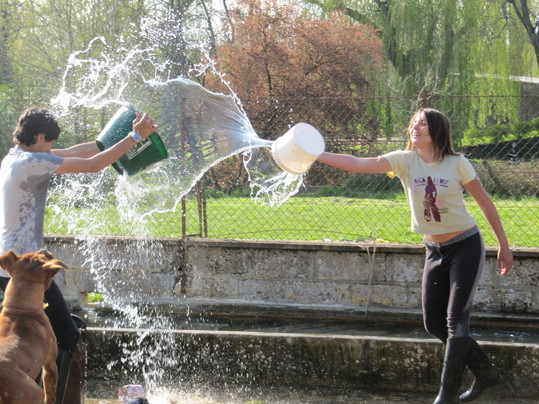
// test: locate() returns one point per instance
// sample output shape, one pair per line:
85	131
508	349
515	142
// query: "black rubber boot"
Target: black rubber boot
75	390
456	351
63	360
486	375
70	384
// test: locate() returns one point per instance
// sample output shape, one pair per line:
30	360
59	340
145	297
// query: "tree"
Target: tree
10	91
293	66
182	33
531	25
450	47
8	15
430	41
51	30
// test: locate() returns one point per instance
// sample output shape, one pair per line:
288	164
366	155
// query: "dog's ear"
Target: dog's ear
7	260
47	254
53	266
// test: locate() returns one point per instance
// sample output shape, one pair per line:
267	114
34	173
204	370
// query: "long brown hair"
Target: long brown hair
439	130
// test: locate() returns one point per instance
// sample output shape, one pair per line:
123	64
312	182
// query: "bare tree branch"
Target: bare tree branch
524	15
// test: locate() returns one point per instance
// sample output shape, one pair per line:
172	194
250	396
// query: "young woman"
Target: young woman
433	176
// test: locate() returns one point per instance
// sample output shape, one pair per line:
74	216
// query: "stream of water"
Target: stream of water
199	129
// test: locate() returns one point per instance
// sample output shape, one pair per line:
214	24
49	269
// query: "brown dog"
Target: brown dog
27	342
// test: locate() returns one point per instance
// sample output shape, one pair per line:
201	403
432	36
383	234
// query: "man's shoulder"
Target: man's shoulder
21	162
20	155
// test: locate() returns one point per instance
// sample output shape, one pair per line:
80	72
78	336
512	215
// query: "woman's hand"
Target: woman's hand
505	260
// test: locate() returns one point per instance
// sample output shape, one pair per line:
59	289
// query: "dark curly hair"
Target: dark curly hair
32	122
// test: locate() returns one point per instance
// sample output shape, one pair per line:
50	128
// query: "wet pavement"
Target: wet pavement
99	392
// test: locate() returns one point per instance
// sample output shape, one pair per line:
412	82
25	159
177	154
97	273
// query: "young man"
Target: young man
25	174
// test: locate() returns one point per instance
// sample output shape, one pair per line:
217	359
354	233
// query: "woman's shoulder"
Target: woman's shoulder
456	159
400	153
400	161
456	156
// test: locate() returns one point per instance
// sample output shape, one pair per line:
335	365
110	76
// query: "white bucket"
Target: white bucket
298	148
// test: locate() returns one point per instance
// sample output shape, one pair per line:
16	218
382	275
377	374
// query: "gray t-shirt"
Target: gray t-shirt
24	182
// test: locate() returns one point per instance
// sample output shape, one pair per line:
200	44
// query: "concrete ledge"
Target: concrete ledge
304	360
244	311
367	275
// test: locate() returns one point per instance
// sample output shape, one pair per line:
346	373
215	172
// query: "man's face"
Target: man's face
42	145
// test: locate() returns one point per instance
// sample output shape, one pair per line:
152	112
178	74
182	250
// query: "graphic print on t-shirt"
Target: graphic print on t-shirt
429	202
433	207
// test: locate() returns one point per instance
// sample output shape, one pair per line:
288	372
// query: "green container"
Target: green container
147	152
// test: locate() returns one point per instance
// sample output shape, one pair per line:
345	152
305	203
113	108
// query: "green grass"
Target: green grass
95	297
304	218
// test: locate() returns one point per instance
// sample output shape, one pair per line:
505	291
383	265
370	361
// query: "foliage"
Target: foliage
228	177
502	132
95	297
38	39
442	44
53	29
7	26
287	67
439	47
10	108
278	52
182	32
527	18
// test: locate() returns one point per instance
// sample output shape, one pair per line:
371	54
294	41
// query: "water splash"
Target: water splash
199	129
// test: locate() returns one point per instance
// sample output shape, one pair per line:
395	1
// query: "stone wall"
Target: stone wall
317	274
325	280
216	358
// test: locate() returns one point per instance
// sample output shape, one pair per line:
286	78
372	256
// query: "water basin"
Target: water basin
523	329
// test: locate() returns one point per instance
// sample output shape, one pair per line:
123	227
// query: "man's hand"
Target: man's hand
144	125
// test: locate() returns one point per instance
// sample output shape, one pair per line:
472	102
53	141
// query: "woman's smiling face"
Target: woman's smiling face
419	131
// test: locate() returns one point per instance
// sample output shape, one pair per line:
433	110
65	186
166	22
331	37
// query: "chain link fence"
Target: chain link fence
500	136
335	205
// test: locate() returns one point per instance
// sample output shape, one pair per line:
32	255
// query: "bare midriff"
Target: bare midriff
442	238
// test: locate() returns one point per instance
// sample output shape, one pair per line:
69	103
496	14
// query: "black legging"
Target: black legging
451	273
64	328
